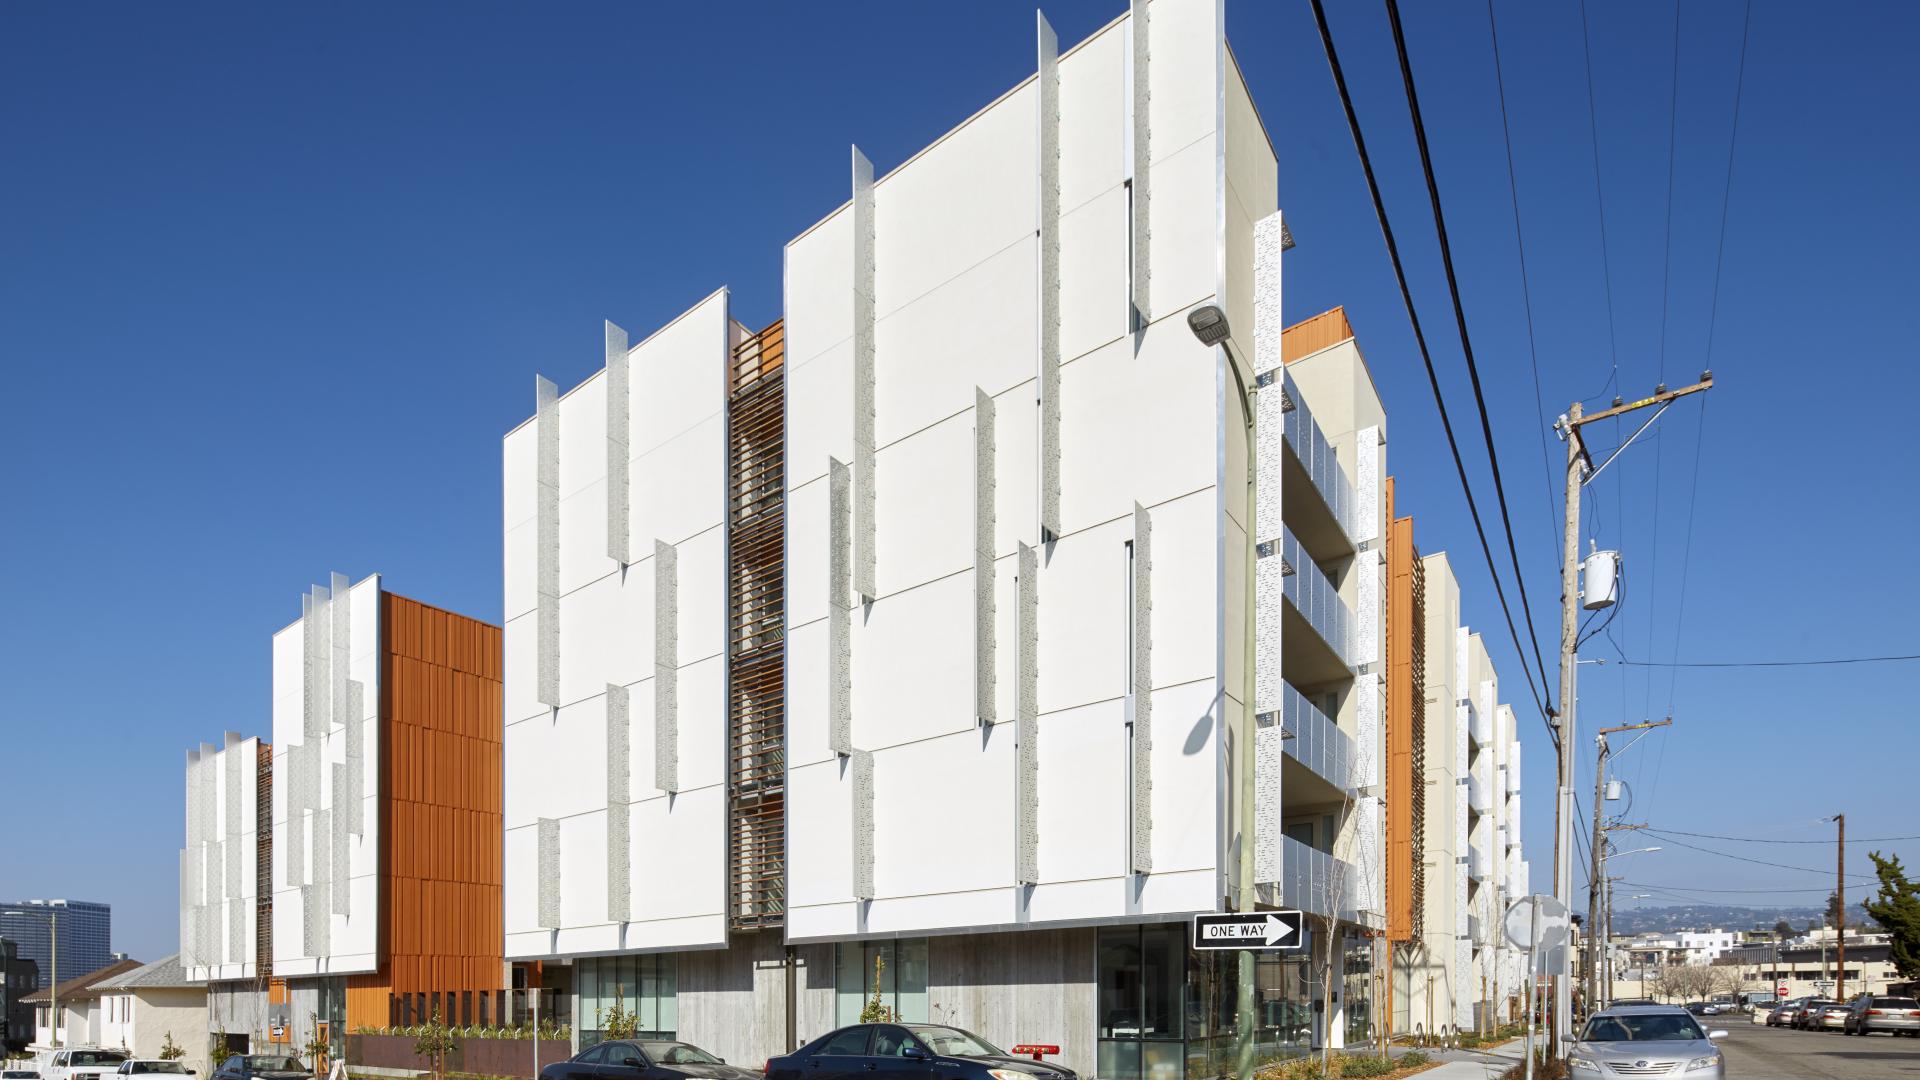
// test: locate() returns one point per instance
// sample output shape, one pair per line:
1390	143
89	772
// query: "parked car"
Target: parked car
645	1059
911	1052
1701	1008
83	1064
1781	1015
1762	1014
1806	1010
153	1067
1624	1002
262	1067
1644	1040
1878	1012
19	1074
1829	1017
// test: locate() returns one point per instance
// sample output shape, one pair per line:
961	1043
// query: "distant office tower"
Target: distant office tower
85	929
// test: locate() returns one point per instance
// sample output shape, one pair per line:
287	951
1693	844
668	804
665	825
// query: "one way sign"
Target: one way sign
1252	930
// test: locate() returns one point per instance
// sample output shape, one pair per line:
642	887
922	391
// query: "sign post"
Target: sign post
1252	930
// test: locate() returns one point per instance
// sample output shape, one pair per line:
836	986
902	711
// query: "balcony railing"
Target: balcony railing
1317	742
1313	881
1317	456
1479	726
1478	797
1475	933
1479	864
1513	767
1315	598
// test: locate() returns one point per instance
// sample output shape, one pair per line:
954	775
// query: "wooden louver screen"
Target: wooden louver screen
756	641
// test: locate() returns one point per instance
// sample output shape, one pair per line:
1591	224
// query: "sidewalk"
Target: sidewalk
1477	1064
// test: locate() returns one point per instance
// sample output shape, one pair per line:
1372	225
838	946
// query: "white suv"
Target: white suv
83	1064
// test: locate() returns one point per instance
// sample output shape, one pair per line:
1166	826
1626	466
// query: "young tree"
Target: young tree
1897	909
170	1050
436	1040
875	1011
316	1048
620	1024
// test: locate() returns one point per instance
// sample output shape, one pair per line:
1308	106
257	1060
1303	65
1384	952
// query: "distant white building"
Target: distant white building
141	1009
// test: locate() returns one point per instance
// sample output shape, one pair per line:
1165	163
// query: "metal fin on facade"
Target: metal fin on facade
666	667
862	776
1139	108
547	856
1048	232
1141	698
864	524
547	556
1027	719
985	657
619	805
619	418
839	609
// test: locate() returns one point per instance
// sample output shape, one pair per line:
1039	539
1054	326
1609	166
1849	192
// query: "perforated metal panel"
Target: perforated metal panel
1269	241
839	611
862	776
356	736
296	838
1140	111
1048	156
547	855
864	524
984	609
1142	696
1027	716
1269	748
237	926
340	656
618	419
340	848
547	557
619	836
666	667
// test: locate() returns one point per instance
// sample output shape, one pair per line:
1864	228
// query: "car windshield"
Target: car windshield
96	1057
678	1053
1895	1003
160	1067
270	1063
1653	1027
952	1042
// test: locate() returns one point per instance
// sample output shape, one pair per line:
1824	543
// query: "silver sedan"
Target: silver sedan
1645	1040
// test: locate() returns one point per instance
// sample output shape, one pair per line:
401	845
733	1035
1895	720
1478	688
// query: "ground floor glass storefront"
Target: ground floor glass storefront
1166	1012
644	986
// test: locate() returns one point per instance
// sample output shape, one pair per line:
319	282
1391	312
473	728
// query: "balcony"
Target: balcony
1513	767
1330	523
1317	742
1316	601
1479	864
1313	881
1479	798
1476	932
1479	726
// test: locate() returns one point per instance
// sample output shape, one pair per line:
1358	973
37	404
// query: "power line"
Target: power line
1460	318
1769	663
1726	197
1599	197
1692	888
1426	357
1743	858
1526	291
1673	132
1771	840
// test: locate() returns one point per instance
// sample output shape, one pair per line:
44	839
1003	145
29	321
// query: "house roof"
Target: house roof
85	987
165	973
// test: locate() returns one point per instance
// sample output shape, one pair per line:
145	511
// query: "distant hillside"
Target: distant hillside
1723	917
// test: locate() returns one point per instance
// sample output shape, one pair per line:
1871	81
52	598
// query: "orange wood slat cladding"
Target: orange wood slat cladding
1400	691
440	799
1309	336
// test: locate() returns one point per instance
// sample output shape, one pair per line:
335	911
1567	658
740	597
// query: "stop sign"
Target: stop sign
1780	992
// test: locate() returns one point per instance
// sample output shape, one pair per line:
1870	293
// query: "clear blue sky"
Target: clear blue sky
274	281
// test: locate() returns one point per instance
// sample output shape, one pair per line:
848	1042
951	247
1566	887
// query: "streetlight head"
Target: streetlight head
1209	324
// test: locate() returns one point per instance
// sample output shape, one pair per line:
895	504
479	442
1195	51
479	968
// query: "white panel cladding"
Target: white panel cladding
839	610
1369	616
1367	488
1140	693
1047	103
548	868
1027	717
547	551
1369	843
619	795
1370	696
984	613
340	846
960	238
1269	242
865	536
862	776
239	932
624	634
325	835
1269	750
619	420
1139	114
666	667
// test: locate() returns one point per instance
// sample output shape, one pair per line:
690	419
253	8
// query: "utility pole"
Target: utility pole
1580	470
1840	917
53	986
1595	879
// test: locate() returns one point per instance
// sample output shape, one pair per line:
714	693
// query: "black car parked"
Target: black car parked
645	1059
262	1067
908	1052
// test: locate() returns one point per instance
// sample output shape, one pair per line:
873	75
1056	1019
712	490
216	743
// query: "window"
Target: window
902	972
890	1041
849	1043
645	986
1140	1023
596	1055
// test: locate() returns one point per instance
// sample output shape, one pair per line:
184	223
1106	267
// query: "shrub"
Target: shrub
1366	1066
1412	1058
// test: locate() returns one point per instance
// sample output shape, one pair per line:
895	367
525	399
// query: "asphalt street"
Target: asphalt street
1761	1053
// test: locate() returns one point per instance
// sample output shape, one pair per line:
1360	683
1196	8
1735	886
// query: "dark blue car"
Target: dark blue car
908	1052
